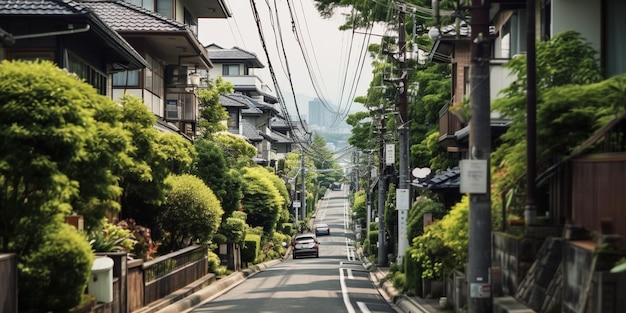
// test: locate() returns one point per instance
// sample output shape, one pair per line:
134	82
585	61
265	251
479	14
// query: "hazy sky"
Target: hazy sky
338	60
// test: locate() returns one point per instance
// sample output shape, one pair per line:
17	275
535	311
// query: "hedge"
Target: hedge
251	248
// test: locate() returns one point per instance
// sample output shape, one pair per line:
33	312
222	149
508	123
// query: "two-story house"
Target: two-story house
165	34
255	119
69	34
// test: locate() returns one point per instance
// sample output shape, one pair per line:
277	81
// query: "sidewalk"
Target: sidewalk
407	304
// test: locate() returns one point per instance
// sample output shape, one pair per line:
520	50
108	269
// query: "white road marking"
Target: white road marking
344	292
363	307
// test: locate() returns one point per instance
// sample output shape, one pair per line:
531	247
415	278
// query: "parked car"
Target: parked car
321	229
305	245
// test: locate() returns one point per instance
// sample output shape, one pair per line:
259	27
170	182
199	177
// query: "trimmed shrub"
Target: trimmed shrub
213	261
413	273
251	248
288	229
54	277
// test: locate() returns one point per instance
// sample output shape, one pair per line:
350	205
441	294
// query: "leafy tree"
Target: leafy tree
144	170
261	200
572	110
216	171
191	212
415	218
178	152
59	143
236	148
212	113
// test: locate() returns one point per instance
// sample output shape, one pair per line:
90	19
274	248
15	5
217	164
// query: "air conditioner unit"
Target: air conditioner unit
172	110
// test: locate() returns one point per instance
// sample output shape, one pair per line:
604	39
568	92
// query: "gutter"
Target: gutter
61	32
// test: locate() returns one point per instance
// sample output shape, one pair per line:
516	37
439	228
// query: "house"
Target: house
252	108
169	84
69	34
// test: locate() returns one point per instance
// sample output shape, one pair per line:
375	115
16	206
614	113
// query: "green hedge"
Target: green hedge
288	229
251	248
413	272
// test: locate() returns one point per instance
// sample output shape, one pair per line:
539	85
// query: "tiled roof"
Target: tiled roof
250	132
230	101
39	7
448	179
218	54
124	16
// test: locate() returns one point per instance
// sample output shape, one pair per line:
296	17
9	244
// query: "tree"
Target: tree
236	149
178	152
261	200
191	212
144	169
212	113
566	102
54	131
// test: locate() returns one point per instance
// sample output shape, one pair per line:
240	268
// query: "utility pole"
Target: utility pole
382	191
479	265
530	211
402	193
303	192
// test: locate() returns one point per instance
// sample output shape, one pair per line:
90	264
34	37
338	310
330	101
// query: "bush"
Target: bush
288	229
251	248
213	261
54	277
399	281
413	271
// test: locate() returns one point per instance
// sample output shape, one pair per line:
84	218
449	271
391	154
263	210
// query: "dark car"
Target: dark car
305	245
321	229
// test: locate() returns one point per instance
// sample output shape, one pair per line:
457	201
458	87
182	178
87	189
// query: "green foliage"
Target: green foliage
178	152
431	150
54	276
415	218
234	229
213	261
251	248
191	213
359	205
288	229
214	169
570	100
235	148
262	201
273	248
399	280
145	166
443	245
59	140
111	238
413	271
212	113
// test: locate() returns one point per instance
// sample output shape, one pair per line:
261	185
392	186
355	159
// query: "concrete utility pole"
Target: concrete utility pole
402	196
530	211
479	267
303	192
382	191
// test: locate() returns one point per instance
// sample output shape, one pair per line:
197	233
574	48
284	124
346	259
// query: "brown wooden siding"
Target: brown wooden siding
599	191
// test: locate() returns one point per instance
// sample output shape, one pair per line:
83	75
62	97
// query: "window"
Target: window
87	72
146	4
230	69
126	79
154	77
164	7
191	22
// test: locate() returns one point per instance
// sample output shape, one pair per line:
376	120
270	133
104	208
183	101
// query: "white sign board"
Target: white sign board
402	199
474	176
390	154
296	204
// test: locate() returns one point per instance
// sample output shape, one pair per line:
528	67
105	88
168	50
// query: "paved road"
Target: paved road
334	282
